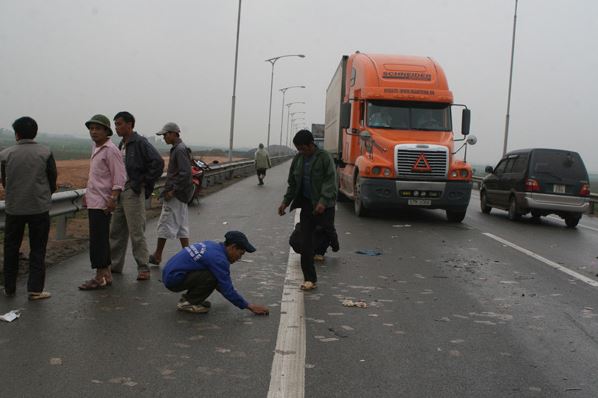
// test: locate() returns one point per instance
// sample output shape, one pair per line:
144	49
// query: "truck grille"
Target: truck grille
430	163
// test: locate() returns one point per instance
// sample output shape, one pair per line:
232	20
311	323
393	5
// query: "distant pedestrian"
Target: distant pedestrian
29	177
106	181
144	166
262	163
312	186
204	267
177	193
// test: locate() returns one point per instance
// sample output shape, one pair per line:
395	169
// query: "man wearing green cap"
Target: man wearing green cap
107	177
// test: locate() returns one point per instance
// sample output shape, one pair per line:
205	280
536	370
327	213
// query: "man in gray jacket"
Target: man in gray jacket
178	191
29	177
262	163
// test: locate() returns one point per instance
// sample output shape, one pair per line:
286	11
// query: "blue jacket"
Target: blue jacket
208	255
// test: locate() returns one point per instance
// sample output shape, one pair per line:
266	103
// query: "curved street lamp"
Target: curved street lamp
288	116
272	62
284	91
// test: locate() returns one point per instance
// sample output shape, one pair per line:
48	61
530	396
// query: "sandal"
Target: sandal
143	276
94	284
153	260
308	285
39	295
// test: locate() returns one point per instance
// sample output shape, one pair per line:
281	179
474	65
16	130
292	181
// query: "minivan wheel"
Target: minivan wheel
572	221
484	204
455	216
514	214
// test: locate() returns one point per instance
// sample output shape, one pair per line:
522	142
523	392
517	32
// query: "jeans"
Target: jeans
39	228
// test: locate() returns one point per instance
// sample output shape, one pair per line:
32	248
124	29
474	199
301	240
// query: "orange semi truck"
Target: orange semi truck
388	124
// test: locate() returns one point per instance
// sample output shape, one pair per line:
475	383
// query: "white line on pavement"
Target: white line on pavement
552	264
287	378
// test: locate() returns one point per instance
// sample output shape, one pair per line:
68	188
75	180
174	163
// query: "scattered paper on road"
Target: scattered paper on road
358	304
10	316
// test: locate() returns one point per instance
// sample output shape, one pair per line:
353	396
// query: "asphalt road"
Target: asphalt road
452	312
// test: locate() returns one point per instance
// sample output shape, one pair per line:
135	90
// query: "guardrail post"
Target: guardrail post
61	227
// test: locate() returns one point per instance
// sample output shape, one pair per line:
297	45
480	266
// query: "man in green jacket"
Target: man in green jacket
312	187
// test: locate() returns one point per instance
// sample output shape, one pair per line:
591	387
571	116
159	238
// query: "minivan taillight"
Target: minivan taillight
532	185
585	190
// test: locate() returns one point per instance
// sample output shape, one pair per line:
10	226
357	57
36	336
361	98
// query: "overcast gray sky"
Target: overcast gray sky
65	60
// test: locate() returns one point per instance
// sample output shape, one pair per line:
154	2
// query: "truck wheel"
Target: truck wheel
455	216
360	210
572	221
514	214
484	203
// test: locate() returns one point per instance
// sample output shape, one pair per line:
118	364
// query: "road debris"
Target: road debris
10	316
358	304
368	252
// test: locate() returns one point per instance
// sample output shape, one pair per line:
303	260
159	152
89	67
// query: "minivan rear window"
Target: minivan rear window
563	164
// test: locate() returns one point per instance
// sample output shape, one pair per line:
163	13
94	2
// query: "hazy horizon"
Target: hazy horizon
66	60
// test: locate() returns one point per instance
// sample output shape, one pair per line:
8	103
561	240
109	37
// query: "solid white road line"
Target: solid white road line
287	378
552	264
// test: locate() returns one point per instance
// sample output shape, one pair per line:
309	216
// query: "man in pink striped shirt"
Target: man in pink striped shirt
107	177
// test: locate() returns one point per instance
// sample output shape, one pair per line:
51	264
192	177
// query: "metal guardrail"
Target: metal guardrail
593	196
65	204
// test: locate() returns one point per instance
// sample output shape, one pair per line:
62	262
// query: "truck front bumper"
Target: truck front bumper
381	193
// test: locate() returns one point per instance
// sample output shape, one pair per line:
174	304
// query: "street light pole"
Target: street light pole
504	148
284	91
272	62
288	116
232	114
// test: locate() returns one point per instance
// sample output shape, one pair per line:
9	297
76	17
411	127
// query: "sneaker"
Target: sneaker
318	257
194	308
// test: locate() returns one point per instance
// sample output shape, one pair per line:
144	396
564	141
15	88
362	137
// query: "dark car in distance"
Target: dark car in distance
539	181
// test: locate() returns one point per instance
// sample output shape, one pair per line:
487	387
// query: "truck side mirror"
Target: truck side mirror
489	170
345	115
465	121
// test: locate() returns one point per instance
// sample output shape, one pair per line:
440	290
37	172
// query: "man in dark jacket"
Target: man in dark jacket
29	178
144	166
312	186
178	191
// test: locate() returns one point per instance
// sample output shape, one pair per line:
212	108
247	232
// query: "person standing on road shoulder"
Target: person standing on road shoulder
312	186
29	176
144	166
204	267
262	163
178	191
106	181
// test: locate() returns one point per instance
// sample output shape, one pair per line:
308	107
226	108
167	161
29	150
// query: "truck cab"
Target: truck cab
389	125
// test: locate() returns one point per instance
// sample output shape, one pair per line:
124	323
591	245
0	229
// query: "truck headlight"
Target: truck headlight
387	172
376	170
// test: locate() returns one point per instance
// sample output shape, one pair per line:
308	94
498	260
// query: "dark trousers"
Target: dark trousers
39	228
309	222
198	284
99	238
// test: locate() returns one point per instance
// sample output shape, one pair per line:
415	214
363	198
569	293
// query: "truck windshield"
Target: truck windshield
400	115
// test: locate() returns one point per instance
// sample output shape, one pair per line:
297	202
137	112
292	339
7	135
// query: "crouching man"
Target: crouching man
204	267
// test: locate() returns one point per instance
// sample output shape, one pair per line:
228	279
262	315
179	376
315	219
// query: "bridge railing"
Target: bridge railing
65	204
593	196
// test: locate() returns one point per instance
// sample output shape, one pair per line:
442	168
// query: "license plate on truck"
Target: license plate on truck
419	202
558	188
